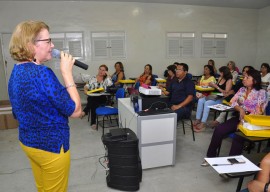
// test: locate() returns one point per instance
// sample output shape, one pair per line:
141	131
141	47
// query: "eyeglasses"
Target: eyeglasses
48	40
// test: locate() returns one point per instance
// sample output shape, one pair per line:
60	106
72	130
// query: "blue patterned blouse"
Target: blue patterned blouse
41	105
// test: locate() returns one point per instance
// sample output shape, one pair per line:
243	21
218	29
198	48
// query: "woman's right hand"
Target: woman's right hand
211	84
242	114
66	63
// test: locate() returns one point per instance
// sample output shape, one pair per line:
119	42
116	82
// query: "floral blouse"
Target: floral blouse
255	102
94	84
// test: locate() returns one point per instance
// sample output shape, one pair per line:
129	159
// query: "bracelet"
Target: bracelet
71	85
266	187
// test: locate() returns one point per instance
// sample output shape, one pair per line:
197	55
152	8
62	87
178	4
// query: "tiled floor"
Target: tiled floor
88	175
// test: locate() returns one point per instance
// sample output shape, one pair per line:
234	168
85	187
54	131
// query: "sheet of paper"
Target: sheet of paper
220	107
158	78
225	167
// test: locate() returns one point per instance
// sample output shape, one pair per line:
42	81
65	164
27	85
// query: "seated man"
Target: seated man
181	92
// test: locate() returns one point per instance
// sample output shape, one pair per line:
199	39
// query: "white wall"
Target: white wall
145	25
263	54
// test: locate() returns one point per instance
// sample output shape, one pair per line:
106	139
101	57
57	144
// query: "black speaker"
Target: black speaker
125	170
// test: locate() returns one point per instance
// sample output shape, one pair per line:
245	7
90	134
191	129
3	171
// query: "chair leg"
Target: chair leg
117	122
259	147
103	125
97	121
110	119
192	129
183	126
239	185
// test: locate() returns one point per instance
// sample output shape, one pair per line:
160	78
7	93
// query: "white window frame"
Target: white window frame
214	45
180	44
108	45
71	42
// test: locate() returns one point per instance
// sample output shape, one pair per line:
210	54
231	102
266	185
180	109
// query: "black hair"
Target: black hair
184	65
120	64
211	68
172	68
150	67
226	72
257	80
249	68
266	65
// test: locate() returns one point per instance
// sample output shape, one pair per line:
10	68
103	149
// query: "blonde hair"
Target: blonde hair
24	35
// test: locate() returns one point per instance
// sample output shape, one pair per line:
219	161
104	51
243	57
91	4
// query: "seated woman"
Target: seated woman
118	74
232	68
170	78
101	80
267	110
250	99
265	74
212	63
208	77
221	118
145	77
223	85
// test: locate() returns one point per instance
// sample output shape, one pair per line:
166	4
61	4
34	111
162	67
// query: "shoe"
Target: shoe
83	115
94	127
205	164
199	128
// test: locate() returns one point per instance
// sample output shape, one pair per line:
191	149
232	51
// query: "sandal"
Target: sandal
196	122
199	128
94	126
205	164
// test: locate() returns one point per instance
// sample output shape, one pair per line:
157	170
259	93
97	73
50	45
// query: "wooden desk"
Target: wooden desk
160	80
127	82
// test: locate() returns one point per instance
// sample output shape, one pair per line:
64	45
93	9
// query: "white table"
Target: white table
156	134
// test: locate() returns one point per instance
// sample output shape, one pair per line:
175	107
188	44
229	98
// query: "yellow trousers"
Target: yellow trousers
51	170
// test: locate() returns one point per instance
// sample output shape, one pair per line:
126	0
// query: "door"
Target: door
8	61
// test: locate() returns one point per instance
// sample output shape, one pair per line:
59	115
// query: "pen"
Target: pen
221	164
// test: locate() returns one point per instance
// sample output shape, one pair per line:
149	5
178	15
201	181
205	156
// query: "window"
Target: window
71	42
214	45
180	45
108	45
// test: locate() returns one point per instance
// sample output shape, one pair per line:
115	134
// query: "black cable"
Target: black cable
166	105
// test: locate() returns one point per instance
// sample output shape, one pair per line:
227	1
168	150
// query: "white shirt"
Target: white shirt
266	78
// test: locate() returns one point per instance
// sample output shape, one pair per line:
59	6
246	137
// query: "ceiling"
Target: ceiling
248	4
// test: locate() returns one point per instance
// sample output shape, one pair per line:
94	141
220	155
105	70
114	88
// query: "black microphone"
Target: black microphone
56	54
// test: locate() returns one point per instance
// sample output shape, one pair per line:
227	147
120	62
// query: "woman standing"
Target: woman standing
223	85
250	99
101	80
42	105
